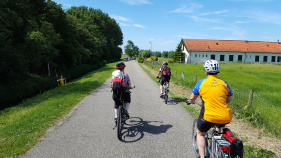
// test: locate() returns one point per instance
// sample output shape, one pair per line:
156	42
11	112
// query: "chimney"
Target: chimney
278	41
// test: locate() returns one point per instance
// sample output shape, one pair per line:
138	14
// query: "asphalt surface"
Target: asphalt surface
154	130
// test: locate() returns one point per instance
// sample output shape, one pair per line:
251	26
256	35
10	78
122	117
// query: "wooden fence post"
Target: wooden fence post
195	79
182	76
250	99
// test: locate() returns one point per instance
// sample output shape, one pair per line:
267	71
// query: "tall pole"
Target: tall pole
151	46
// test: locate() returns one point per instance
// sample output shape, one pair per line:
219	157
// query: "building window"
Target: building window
264	58
273	58
206	56
221	57
195	55
199	55
239	57
213	57
230	57
279	59
257	58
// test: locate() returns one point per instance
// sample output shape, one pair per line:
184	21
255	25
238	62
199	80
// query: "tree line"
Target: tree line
37	35
133	51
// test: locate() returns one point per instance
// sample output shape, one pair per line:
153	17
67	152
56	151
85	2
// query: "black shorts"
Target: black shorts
204	126
164	79
127	99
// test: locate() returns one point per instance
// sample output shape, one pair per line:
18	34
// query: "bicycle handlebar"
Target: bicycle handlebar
188	102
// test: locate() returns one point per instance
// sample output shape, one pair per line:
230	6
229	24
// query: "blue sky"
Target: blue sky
161	24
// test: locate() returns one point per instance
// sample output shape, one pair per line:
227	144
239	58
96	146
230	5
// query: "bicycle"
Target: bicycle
122	116
217	145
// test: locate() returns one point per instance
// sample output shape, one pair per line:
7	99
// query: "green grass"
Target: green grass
22	126
264	79
249	152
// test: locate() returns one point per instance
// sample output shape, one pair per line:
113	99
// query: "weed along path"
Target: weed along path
155	129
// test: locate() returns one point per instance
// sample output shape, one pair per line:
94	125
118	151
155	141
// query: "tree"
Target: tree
157	54
178	56
164	54
130	49
171	54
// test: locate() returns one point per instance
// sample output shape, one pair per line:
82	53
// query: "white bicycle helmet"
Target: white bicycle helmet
212	66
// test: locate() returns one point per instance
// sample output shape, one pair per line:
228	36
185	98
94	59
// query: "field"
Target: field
263	79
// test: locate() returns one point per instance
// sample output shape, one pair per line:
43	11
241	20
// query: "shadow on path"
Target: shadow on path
135	129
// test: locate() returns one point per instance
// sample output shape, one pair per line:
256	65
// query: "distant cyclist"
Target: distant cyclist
126	83
165	72
216	94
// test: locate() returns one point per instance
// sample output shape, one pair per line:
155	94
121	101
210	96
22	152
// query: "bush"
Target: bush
140	60
153	58
170	61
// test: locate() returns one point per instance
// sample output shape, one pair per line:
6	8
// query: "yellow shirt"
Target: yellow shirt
214	92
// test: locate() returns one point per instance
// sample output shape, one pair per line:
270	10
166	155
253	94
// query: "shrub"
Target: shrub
140	60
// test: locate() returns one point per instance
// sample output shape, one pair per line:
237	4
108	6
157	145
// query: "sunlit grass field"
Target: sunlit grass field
263	79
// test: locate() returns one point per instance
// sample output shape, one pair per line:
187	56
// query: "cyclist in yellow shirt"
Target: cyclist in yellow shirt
216	94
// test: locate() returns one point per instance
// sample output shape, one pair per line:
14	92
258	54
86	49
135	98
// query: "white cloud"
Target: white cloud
215	12
189	8
120	18
200	19
136	2
138	25
262	16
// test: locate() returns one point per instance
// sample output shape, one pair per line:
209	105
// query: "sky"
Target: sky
160	25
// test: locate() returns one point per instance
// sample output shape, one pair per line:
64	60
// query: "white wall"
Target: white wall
192	57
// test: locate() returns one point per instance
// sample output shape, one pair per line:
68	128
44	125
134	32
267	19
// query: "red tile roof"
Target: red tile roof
231	46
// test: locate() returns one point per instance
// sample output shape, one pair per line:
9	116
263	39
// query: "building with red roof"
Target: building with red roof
200	50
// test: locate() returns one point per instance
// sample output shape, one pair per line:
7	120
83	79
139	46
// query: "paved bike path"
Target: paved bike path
155	129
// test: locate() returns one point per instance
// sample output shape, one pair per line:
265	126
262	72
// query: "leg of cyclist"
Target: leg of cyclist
202	128
201	143
127	100
161	86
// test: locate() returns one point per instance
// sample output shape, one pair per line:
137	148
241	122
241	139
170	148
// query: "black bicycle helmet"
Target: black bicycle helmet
120	66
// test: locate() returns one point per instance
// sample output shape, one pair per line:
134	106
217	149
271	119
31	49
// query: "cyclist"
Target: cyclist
165	72
126	92
216	94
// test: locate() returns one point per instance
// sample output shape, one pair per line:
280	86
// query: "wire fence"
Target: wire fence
245	103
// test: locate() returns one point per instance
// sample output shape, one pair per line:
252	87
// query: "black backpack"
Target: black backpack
117	88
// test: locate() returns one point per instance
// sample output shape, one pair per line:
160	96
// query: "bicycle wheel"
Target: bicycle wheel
166	96
119	122
194	138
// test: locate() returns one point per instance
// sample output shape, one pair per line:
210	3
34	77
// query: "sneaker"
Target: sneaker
115	120
127	115
168	89
161	95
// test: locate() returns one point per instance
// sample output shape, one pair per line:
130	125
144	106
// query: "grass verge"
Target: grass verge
249	152
22	126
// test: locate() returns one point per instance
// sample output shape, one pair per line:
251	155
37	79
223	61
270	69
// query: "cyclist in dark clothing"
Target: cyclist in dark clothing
165	72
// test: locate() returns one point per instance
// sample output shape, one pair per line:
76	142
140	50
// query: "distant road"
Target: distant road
155	129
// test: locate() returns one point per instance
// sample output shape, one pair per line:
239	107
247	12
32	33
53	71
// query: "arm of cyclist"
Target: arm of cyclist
192	98
158	75
228	99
